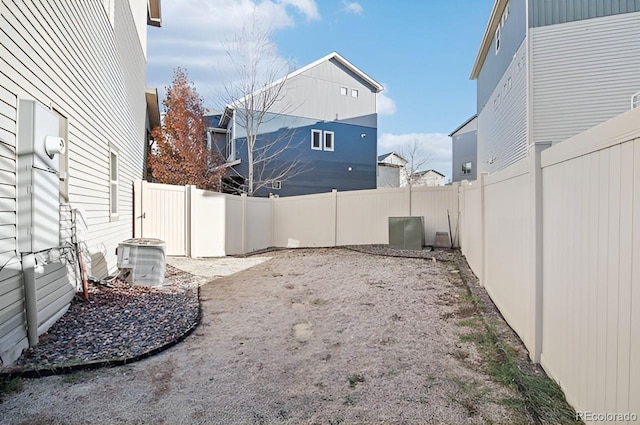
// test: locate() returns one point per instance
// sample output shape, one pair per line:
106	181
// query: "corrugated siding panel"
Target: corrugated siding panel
550	12
502	123
584	73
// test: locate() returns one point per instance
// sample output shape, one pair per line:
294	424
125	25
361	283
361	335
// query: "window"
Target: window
343	91
354	93
276	184
498	39
113	182
466	168
328	141
316	140
509	84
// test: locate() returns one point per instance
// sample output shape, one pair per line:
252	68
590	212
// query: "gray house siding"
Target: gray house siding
495	65
465	149
71	57
550	12
502	123
315	94
584	73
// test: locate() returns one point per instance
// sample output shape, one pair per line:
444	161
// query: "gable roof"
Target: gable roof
422	173
377	87
386	155
487	39
461	126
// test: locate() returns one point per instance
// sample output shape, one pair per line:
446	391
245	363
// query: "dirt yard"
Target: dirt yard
310	336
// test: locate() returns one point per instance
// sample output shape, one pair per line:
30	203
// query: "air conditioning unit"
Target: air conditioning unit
143	261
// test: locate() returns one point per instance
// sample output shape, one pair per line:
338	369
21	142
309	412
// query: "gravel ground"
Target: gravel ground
310	336
116	324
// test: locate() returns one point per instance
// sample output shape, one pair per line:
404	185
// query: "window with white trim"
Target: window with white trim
466	168
354	93
276	184
316	140
114	186
498	39
344	91
328	141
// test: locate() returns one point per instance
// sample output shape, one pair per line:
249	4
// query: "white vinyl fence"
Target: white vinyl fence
200	223
554	239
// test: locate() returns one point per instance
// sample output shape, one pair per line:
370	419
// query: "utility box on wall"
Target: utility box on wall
406	233
38	218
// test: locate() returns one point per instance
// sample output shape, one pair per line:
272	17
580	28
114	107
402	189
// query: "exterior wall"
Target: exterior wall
464	149
98	90
471	225
502	123
584	73
551	12
388	176
496	64
350	166
430	178
315	94
591	305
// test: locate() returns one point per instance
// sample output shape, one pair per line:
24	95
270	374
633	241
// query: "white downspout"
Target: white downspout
30	299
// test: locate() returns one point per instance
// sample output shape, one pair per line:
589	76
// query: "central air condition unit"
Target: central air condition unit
144	260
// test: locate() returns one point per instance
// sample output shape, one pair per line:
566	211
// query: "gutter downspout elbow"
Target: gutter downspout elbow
30	298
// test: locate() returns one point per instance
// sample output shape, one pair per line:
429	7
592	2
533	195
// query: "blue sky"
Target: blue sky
421	51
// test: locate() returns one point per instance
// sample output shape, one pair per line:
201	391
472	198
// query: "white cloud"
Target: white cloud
386	105
435	146
308	7
193	33
352	7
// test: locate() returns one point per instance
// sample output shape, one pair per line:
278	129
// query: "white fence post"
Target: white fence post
243	197
483	236
192	225
535	174
334	199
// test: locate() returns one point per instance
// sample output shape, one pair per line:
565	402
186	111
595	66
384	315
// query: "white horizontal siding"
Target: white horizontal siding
502	124
70	56
584	73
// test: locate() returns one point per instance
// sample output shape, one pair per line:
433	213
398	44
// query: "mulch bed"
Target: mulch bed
118	324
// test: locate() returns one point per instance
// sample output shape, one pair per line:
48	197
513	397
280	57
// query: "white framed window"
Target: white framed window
114	182
466	168
354	93
498	39
316	140
276	184
344	91
328	141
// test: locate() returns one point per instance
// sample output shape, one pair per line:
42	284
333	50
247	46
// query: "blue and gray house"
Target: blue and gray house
320	135
547	70
464	150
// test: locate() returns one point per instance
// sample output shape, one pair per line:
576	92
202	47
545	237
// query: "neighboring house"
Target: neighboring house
464	140
392	171
427	178
73	80
547	70
326	118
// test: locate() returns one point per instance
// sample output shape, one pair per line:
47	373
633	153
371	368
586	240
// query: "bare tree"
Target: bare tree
417	159
257	96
